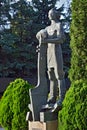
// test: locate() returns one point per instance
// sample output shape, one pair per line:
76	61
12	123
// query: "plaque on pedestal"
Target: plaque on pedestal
49	125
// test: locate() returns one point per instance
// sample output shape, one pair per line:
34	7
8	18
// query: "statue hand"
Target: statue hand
42	35
43	40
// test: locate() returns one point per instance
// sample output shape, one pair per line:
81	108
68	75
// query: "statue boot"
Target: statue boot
62	91
53	92
52	96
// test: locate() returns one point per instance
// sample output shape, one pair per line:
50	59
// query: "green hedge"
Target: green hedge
78	43
14	105
73	115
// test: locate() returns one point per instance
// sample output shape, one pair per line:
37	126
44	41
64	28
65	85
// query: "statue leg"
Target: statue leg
62	91
53	86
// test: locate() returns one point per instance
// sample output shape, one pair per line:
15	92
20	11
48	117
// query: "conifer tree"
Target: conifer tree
73	114
17	41
79	40
14	105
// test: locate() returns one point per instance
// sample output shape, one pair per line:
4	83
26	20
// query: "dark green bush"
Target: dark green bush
73	115
14	105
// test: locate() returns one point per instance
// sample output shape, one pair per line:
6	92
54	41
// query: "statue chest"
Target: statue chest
53	31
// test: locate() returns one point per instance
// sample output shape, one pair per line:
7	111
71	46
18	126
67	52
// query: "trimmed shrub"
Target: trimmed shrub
73	115
78	34
14	105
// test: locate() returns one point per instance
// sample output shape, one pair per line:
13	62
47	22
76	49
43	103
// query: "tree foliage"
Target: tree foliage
4	8
14	105
73	115
17	42
42	7
78	41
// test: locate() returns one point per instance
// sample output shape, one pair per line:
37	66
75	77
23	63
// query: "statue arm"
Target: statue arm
57	40
53	40
41	35
38	35
60	37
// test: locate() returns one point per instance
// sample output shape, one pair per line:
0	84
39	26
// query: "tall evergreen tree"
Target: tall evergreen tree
73	114
4	15
4	21
16	42
79	40
22	25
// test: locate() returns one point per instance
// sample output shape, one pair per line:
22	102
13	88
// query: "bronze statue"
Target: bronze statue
53	36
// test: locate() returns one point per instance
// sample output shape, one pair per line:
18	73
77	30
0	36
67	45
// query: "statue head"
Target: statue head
54	14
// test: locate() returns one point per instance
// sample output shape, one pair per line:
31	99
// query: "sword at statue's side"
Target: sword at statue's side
38	95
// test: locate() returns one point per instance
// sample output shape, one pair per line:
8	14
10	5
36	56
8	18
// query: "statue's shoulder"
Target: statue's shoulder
42	30
41	33
47	28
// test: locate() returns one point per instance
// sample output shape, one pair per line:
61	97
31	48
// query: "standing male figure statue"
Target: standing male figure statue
49	60
53	36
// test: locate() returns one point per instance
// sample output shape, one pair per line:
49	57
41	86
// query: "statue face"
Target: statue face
53	15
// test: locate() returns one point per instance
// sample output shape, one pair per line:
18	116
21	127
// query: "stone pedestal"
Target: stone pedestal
48	116
49	125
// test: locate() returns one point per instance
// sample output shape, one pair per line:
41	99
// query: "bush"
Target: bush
14	105
73	115
78	34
